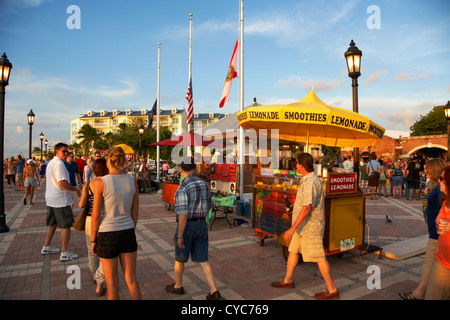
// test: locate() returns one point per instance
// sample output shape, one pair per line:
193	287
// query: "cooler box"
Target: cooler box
248	209
240	210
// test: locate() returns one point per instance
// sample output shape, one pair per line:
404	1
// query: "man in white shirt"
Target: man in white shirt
58	197
348	164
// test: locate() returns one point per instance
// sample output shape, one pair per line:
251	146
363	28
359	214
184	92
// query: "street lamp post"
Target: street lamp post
30	122
447	116
46	154
5	72
41	137
353	58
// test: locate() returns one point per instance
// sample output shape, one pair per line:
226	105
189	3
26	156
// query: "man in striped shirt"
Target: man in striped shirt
192	204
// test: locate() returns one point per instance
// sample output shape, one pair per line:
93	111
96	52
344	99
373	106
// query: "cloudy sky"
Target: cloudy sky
104	56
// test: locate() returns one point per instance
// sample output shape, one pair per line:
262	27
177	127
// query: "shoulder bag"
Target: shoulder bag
374	173
81	219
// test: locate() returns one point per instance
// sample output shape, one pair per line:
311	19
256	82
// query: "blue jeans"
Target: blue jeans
195	238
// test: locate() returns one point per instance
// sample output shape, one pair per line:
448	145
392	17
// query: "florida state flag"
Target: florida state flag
232	73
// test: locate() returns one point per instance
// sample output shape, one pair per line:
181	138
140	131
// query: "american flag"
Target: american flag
190	99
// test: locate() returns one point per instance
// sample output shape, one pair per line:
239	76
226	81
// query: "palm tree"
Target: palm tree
75	147
88	136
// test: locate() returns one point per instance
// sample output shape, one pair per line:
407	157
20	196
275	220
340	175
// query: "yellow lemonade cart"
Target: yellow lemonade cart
311	121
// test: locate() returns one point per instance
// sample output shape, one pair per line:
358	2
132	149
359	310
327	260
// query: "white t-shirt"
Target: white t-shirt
348	165
55	196
373	165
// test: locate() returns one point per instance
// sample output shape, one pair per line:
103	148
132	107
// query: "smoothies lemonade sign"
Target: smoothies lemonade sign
341	183
310	120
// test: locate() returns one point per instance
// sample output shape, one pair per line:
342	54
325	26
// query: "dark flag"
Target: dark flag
150	116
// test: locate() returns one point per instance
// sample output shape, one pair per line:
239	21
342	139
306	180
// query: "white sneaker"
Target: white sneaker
68	256
49	250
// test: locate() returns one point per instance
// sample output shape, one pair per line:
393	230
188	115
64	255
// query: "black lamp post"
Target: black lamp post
5	72
46	154
30	122
447	116
353	58
41	137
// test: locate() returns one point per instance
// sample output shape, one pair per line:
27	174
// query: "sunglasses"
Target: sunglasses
441	178
65	151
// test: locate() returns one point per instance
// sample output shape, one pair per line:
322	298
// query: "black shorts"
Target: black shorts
415	184
111	244
373	181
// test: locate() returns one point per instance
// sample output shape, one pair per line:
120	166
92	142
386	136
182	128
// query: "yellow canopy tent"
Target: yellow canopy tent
312	121
126	148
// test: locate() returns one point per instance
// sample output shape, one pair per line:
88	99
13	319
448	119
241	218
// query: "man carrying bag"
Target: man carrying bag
373	170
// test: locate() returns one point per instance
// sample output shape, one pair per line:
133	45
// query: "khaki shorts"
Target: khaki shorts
19	177
310	248
364	183
438	287
430	253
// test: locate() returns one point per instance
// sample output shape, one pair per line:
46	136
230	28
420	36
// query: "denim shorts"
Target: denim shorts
30	182
397	181
195	238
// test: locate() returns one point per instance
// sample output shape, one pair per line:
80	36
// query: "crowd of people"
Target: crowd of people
430	179
111	197
102	185
394	178
23	175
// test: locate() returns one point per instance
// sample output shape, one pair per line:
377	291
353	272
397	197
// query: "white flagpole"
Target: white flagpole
190	57
241	101
158	101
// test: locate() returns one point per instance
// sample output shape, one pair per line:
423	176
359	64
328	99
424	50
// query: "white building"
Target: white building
109	121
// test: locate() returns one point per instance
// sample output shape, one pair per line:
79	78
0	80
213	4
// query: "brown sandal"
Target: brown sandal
325	295
282	284
407	296
171	288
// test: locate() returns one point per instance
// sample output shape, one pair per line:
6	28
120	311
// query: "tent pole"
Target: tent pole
307	140
157	108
